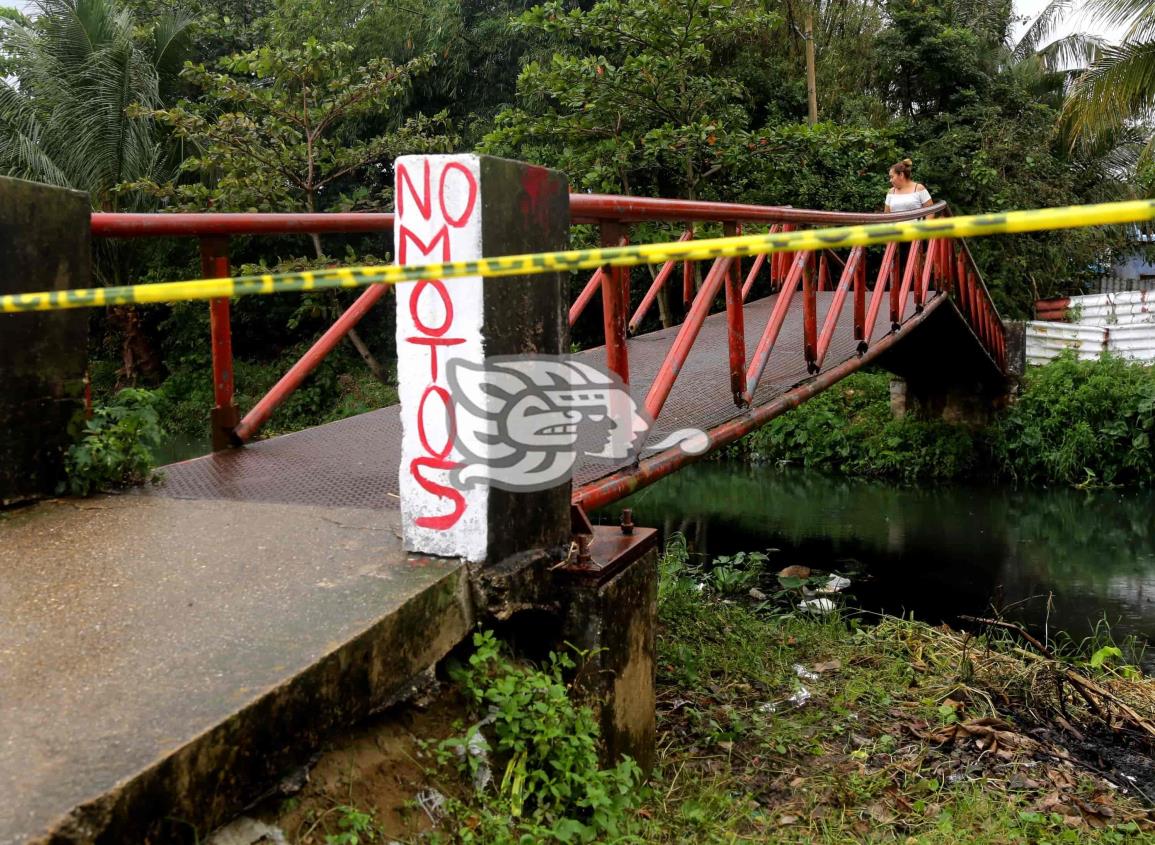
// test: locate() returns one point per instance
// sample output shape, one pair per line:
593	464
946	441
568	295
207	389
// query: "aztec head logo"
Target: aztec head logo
522	421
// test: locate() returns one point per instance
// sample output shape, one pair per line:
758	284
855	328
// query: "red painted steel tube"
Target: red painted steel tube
215	265
922	285
652	294
615	303
689	269
810	318
291	380
849	274
587	294
620	484
898	306
118	225
584	208
774	325
735	324
859	295
885	272
589	208
687	334
752	276
823	272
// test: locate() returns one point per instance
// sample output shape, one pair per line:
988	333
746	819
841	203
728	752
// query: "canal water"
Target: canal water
1058	560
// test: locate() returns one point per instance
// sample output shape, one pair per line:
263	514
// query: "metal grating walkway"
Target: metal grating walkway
354	462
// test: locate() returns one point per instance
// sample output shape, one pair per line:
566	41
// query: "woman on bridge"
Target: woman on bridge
905	194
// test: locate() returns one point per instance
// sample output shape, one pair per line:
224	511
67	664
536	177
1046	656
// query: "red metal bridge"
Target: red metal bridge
748	340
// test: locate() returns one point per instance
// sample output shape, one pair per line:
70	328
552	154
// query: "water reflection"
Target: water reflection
936	552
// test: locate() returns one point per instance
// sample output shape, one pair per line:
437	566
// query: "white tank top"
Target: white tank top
907	202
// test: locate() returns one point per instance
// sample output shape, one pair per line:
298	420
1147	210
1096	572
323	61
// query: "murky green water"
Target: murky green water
938	553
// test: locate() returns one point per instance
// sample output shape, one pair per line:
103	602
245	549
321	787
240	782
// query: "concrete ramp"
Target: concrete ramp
166	659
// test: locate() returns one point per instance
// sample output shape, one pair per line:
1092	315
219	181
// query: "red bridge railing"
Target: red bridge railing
924	269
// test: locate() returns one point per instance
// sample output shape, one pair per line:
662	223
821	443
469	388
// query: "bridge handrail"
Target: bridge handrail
584	208
614	213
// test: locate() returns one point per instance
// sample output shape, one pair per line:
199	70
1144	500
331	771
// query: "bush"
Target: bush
549	784
1080	422
1076	423
115	447
849	430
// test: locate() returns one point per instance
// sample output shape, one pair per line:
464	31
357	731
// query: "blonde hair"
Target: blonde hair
903	167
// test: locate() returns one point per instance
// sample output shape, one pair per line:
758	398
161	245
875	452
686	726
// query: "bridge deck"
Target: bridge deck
354	462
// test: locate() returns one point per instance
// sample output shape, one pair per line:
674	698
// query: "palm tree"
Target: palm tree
65	112
74	74
1118	89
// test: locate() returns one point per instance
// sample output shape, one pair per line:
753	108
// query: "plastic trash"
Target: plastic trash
835	584
248	831
819	605
804	673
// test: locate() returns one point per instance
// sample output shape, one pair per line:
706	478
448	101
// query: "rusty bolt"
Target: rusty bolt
584	559
627	521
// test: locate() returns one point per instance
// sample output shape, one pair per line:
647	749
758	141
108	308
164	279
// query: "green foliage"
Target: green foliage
1080	422
849	429
636	97
551	788
73	72
114	448
357	828
272	128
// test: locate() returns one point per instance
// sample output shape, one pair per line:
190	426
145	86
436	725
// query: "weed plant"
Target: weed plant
114	448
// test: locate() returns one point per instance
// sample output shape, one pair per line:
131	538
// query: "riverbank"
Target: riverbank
1074	423
773	723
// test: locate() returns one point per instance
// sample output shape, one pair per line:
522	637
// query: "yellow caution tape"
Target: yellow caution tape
975	225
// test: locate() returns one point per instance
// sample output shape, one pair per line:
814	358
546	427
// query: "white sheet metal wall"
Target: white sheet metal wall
1120	323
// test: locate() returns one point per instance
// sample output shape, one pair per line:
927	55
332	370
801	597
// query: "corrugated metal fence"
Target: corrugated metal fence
1120	323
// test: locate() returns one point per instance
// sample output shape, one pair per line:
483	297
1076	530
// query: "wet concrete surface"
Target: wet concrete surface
144	642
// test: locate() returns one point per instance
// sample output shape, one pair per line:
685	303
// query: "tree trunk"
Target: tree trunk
811	81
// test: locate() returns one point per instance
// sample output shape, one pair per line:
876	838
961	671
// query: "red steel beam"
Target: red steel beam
615	303
859	296
587	294
885	275
589	208
215	265
752	276
810	317
849	273
118	225
735	323
774	325
684	340
652	294
898	304
605	491
923	283
291	380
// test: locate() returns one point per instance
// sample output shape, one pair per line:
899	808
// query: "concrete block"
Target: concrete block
44	245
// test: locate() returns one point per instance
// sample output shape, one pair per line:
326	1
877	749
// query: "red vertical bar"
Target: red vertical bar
922	286
823	272
895	274
224	418
909	277
735	323
688	277
810	318
860	296
614	306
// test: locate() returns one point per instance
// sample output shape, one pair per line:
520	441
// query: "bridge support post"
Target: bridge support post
44	245
462	494
453	208
968	405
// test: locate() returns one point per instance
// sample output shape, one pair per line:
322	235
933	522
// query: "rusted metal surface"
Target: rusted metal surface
609	549
615	303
